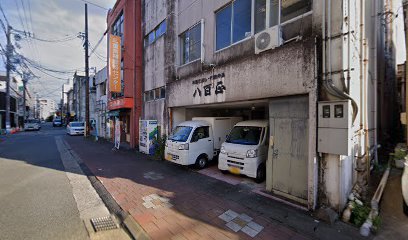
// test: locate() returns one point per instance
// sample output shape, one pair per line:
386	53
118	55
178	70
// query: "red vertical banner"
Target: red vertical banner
114	64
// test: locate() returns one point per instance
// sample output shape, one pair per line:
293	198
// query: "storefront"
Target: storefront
120	111
277	87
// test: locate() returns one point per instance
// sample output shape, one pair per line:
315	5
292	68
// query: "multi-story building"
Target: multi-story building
313	68
159	58
125	105
101	102
46	108
14	96
79	90
66	87
70	112
29	101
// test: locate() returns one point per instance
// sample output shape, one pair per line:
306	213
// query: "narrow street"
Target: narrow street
36	197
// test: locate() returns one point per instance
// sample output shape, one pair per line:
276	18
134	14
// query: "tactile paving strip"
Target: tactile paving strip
103	223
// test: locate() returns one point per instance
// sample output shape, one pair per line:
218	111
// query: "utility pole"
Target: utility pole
24	99
8	69
86	74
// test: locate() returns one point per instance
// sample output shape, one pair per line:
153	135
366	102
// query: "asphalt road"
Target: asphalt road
36	198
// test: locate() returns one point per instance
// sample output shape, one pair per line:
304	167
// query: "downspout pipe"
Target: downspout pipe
366	227
327	82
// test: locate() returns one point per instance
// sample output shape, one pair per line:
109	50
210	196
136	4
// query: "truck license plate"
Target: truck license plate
235	170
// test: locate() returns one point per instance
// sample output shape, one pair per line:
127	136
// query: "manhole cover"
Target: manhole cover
103	224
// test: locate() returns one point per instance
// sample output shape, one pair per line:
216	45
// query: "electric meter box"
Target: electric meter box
334	127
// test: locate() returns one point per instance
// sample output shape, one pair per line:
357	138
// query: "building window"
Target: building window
161	29
103	89
191	44
162	92
155	94
267	12
157	32
294	8
117	27
233	23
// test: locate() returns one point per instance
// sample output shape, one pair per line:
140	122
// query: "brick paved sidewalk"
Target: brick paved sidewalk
173	202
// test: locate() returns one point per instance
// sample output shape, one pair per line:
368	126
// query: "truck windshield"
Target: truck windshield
245	135
181	133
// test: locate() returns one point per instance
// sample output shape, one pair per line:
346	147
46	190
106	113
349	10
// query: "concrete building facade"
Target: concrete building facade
158	58
78	101
14	96
46	108
294	63
101	103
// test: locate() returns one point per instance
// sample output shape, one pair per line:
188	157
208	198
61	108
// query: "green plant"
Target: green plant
399	154
376	223
359	214
160	145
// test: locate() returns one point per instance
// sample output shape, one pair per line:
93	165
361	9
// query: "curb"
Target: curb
132	227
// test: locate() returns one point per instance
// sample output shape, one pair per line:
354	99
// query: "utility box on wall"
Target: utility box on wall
334	126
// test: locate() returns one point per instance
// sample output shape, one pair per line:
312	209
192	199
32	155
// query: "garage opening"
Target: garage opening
247	110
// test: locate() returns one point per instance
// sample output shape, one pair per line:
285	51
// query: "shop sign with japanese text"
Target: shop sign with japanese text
114	64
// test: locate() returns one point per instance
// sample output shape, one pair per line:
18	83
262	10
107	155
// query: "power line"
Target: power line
94	4
97	44
36	51
4	15
66	39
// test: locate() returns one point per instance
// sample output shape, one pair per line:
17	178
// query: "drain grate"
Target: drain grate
103	223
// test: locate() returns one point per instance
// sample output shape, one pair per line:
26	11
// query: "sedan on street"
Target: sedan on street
76	128
32	124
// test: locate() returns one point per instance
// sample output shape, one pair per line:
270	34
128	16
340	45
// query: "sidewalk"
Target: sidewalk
394	223
173	202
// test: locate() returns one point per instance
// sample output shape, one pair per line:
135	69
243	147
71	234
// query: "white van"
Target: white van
246	149
198	141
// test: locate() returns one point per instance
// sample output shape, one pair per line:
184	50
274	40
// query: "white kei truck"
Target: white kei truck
199	140
246	149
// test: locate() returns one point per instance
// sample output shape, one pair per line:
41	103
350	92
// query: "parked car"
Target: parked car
404	186
57	122
76	128
198	141
32	124
246	149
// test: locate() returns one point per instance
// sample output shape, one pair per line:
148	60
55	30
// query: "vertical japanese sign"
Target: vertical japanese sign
114	63
117	133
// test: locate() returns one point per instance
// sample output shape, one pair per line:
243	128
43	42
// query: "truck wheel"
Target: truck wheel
201	162
260	173
404	206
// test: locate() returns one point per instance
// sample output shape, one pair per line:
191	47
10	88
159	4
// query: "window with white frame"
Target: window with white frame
190	42
233	23
269	13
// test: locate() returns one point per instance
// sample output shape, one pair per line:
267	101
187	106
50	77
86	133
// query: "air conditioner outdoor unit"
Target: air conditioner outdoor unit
268	39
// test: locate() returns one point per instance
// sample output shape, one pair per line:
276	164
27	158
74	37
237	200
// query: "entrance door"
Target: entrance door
288	153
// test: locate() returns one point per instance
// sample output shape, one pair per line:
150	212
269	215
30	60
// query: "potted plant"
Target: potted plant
399	157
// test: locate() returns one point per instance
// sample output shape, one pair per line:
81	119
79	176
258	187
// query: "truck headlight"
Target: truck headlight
252	153
183	146
222	150
166	144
